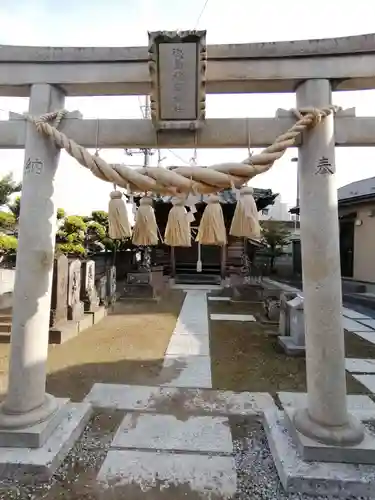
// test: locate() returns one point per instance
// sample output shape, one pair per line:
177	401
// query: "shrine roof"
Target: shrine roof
227	196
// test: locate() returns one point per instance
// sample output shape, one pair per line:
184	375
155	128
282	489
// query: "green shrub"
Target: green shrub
75	249
8	244
7	220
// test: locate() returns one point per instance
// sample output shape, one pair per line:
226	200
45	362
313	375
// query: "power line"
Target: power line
179	157
201	14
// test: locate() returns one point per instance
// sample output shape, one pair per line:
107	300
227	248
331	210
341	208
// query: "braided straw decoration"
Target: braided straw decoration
186	179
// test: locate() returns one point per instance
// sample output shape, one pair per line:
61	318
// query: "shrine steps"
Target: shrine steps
59	333
197	279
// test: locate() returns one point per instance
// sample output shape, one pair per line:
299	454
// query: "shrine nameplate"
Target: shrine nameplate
177	63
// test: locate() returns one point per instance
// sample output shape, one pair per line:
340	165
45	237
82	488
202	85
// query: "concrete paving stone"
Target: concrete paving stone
188	345
354	326
232	317
123	397
39	464
193	319
314	478
367	322
229	402
219	299
354	365
163	399
193	326
369	336
204	434
350	313
151	473
367	380
186	371
360	405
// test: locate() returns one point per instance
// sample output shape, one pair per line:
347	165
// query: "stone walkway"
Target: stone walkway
179	438
189	349
174	435
363	326
178	432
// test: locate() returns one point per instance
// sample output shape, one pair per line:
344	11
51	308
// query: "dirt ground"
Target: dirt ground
245	356
127	346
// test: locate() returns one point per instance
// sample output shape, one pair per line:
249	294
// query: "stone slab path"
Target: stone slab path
175	437
214	298
187	361
232	317
203	434
363	326
194	474
177	433
187	401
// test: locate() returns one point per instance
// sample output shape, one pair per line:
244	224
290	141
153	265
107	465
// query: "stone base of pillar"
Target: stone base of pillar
306	466
290	347
350	435
32	429
24	462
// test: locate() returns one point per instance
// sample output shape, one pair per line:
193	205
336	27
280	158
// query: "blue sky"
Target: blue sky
126	22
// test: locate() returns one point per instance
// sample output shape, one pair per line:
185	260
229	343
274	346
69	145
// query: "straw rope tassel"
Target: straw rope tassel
212	227
118	221
177	231
145	231
245	222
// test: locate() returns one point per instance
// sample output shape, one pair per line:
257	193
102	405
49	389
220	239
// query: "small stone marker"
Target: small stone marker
111	284
284	312
294	344
75	306
89	294
271	305
101	288
59	291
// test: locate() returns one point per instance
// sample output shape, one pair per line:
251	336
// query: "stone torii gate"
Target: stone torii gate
324	431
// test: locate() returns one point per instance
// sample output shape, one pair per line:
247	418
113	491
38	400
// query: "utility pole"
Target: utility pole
146	152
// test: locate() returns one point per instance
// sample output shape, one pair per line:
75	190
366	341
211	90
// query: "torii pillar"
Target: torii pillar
326	418
29	416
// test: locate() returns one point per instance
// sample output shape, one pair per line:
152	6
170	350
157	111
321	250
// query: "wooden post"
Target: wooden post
173	263
223	264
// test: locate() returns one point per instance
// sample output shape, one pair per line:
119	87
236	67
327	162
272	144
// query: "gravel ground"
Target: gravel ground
75	480
76	477
256	473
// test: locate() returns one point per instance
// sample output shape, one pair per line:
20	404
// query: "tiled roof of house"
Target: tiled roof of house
355	192
364	187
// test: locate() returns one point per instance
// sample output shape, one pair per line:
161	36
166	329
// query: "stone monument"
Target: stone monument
285	297
101	290
59	307
89	295
111	285
75	306
294	343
